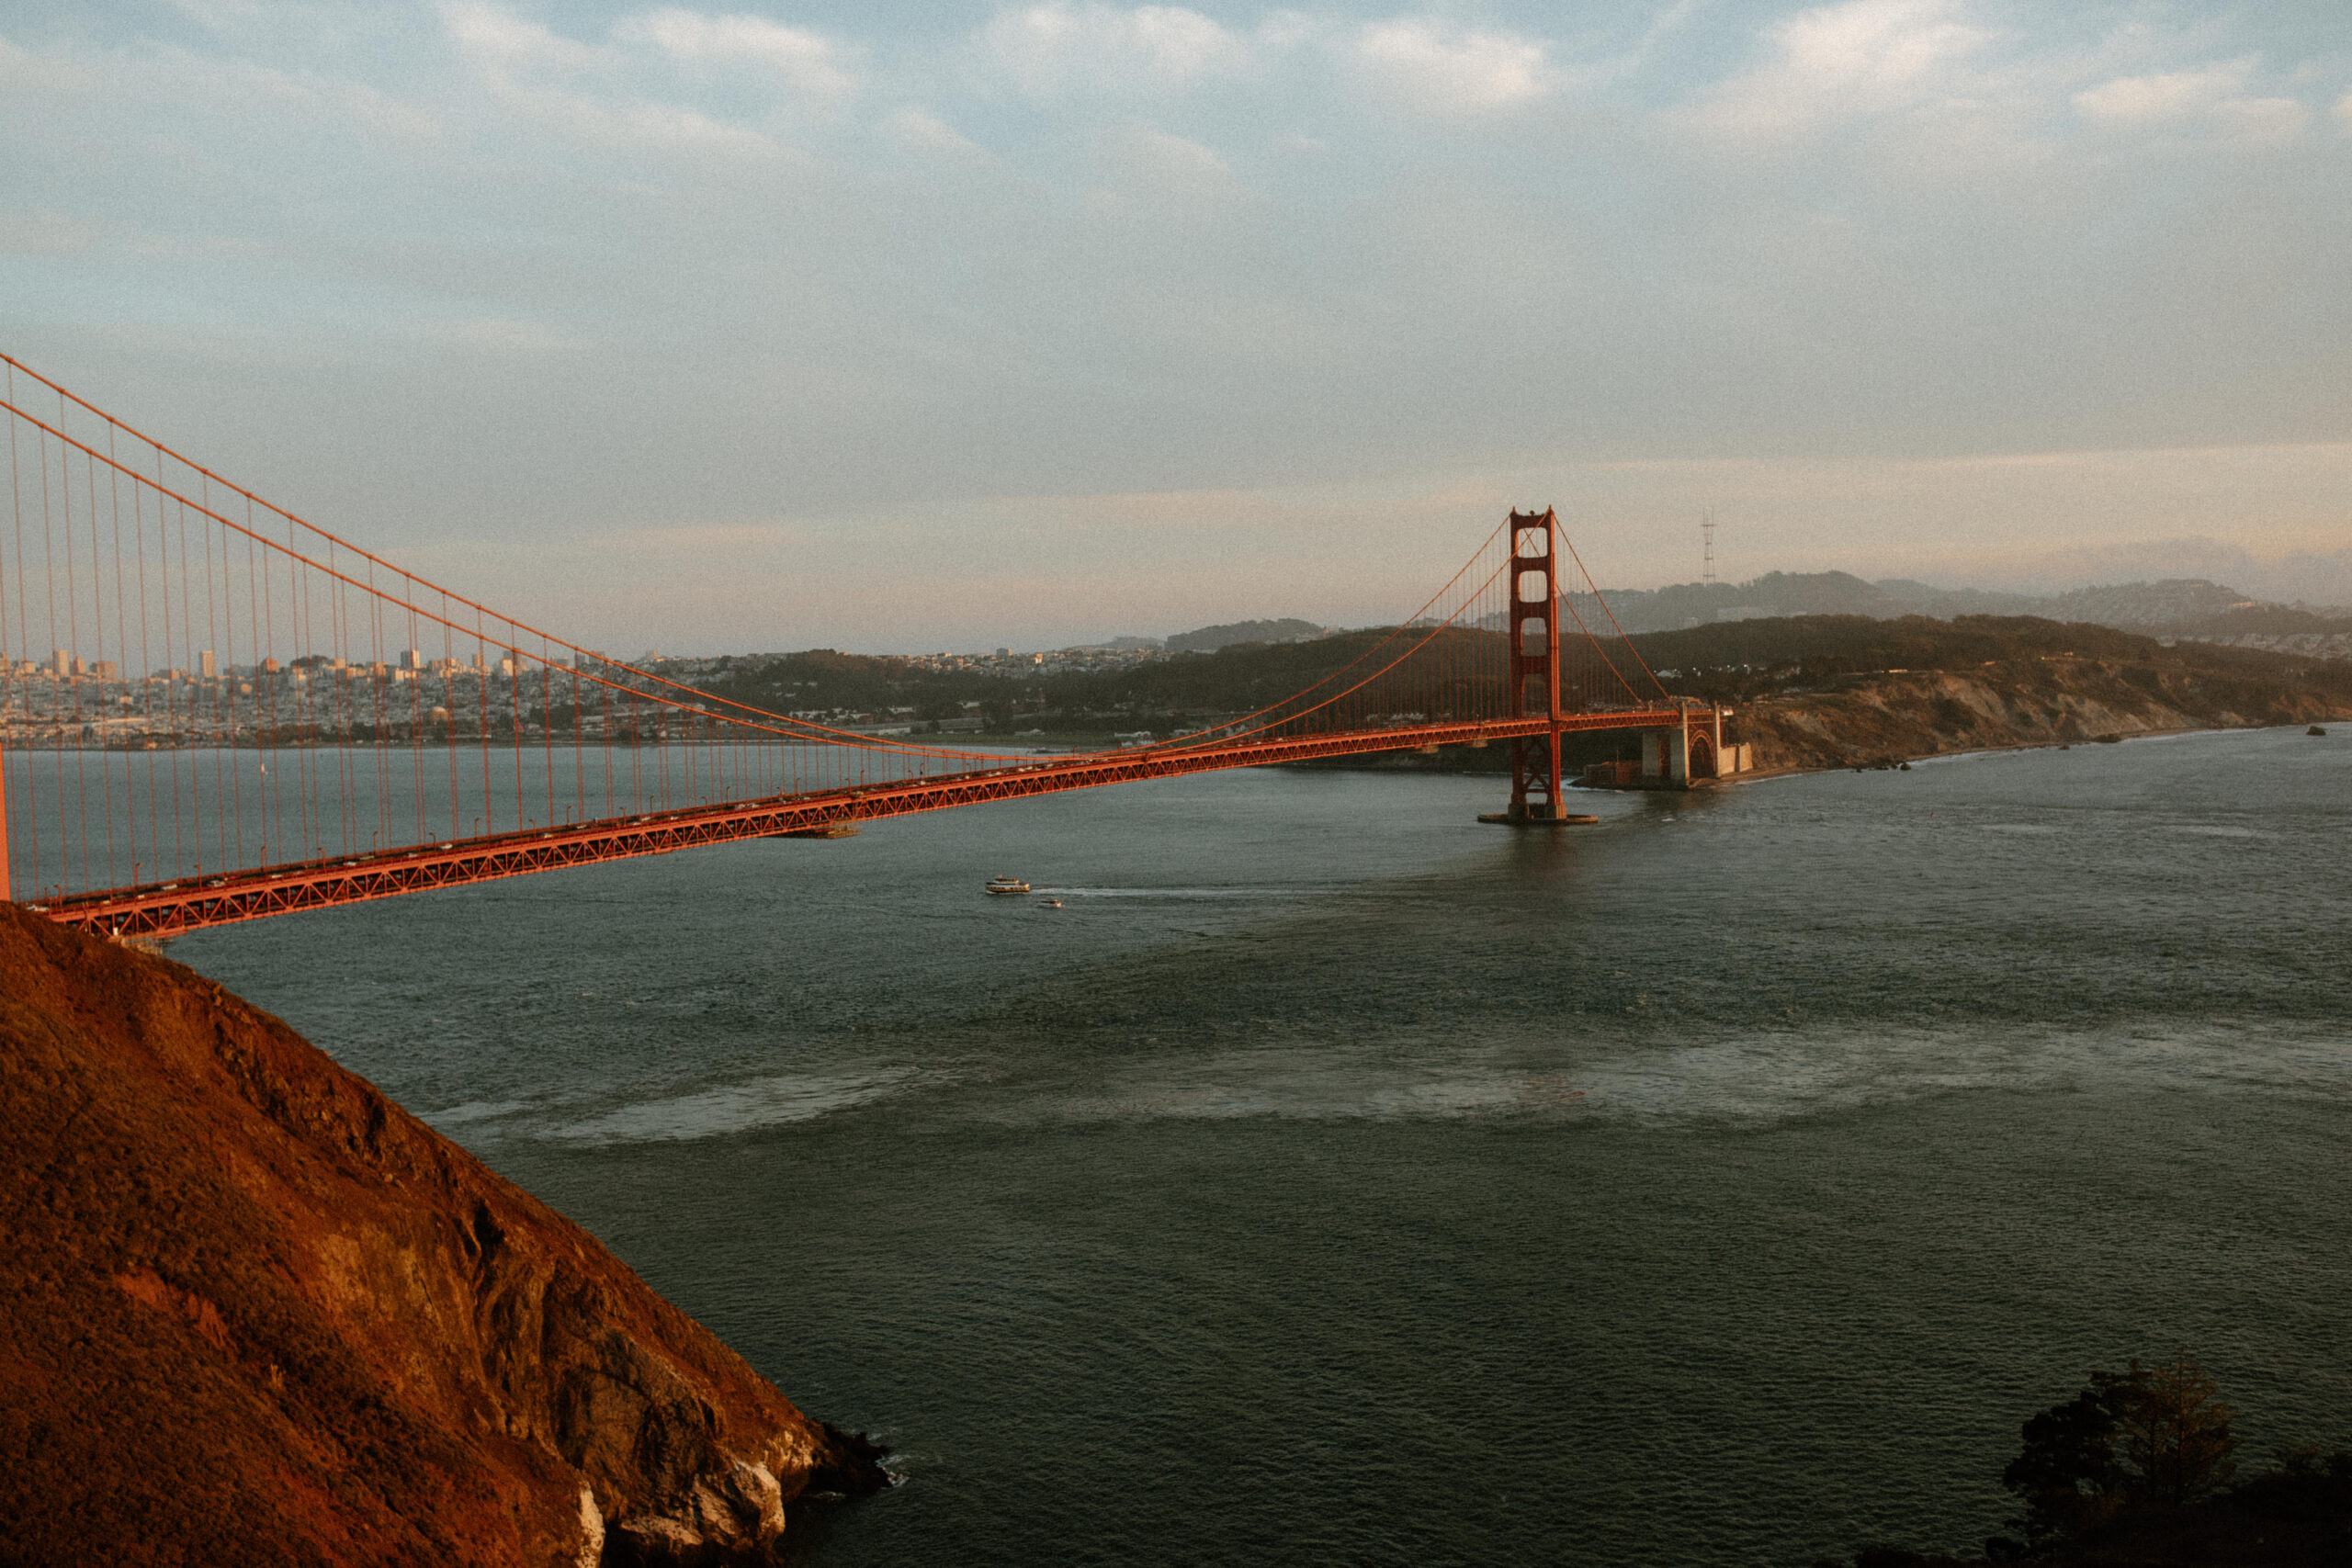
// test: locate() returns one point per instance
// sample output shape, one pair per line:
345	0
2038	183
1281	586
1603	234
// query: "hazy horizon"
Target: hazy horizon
2046	587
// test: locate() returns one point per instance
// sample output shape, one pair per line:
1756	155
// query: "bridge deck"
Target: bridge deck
171	909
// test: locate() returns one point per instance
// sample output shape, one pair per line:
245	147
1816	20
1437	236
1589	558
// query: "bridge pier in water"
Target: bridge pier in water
1693	749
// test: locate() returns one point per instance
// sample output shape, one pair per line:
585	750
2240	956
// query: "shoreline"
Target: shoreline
1758	775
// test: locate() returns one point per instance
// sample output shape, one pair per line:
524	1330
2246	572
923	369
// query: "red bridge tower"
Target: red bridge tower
1535	657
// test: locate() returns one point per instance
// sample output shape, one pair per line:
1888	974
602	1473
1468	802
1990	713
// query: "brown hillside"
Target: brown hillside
253	1313
2024	702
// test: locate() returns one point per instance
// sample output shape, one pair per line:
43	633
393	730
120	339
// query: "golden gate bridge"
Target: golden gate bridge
213	710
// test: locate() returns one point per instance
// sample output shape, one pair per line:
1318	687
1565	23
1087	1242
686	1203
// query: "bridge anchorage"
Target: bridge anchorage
212	710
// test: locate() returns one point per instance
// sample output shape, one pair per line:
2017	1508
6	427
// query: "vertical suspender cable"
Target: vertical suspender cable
56	705
579	745
378	839
212	684
450	707
68	678
547	723
171	687
17	504
483	823
131	678
510	667
265	693
415	668
105	757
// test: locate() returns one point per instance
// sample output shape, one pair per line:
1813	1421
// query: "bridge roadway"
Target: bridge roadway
163	909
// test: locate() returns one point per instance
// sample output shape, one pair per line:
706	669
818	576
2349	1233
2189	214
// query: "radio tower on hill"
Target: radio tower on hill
1707	545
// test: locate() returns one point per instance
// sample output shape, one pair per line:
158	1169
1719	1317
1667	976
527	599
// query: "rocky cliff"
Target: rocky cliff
251	1312
1894	715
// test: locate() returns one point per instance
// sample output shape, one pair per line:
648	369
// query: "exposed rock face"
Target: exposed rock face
2020	702
253	1313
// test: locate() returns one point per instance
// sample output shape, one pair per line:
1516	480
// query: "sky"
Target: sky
886	326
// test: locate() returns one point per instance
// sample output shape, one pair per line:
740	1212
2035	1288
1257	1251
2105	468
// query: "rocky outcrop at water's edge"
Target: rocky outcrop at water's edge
1896	714
253	1313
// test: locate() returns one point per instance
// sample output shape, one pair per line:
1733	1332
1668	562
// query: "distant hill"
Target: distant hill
1208	639
2175	603
1846	691
1799	682
1944	604
1774	593
2183	606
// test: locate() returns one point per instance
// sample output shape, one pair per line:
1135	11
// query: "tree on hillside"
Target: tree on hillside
2175	1431
2148	1437
2068	1476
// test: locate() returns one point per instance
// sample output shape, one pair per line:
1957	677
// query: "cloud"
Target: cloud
1058	47
1216	249
1436	68
1156	160
514	60
395	118
492	38
1838	62
51	71
912	129
635	125
2169	95
2214	97
806	61
2267	122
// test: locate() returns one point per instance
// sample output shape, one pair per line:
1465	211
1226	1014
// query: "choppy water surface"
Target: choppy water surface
1332	1178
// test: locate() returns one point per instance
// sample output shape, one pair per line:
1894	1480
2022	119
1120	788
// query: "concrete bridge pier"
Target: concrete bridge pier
1693	750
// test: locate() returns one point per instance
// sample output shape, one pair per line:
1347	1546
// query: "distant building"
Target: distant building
205	665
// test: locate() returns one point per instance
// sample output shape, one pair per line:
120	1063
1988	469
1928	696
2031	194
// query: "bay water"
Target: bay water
1334	1178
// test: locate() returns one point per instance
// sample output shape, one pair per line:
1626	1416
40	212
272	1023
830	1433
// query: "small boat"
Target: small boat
1049	903
1000	886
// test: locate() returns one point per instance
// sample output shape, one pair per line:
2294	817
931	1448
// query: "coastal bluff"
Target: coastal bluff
254	1313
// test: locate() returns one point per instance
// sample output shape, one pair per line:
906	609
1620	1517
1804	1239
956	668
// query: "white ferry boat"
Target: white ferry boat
1000	886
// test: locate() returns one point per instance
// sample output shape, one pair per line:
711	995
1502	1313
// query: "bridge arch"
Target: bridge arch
1702	755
